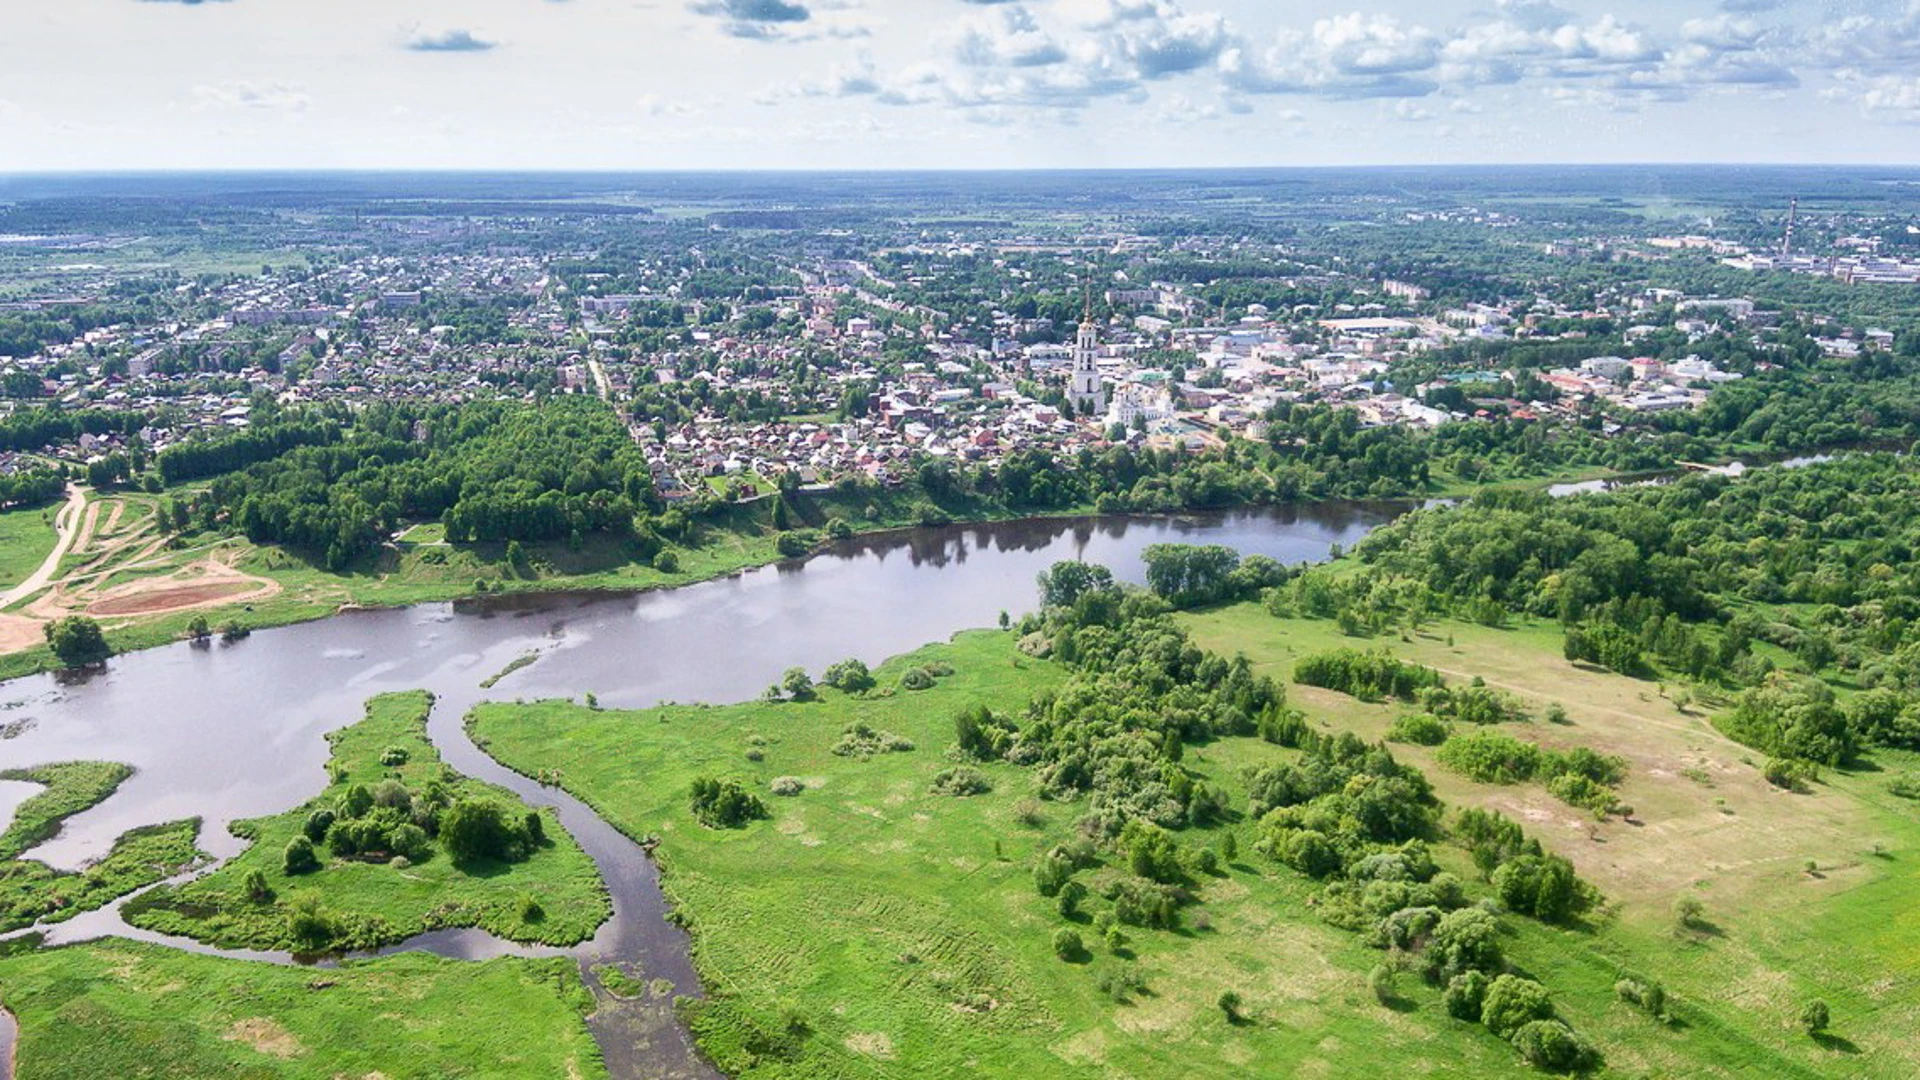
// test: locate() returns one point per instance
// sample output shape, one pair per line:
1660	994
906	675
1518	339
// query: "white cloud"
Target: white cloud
268	97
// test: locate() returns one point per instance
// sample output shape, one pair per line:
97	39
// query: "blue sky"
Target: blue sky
101	84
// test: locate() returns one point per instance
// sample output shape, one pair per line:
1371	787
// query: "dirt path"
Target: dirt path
64	524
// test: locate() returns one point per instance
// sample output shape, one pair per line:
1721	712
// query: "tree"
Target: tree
309	925
1463	940
475	829
1067	944
849	676
1065	582
1552	1045
256	886
1229	1003
198	628
1512	1002
77	641
299	857
1464	995
797	685
1815	1017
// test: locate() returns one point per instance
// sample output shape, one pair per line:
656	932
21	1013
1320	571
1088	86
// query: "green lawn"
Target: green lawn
26	536
372	902
119	1009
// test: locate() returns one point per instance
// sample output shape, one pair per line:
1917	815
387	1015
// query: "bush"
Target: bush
1464	940
1790	774
1552	1045
666	561
256	886
1543	886
1511	1003
299	857
317	824
724	804
786	785
310	926
530	909
1420	729
863	741
1490	757
962	780
849	676
1368	676
1230	1005
1906	786
1380	981
1647	996
916	679
1067	944
477	829
393	756
1815	1017
1465	994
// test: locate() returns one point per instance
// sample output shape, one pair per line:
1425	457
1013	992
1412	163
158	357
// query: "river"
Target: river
230	731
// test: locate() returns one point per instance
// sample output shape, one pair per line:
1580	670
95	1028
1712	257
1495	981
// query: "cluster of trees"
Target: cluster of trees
388	820
493	471
1188	575
724	804
1578	777
1821	563
29	486
1369	676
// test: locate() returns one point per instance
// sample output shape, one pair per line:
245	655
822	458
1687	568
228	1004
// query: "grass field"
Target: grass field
119	1009
903	928
1705	824
26	536
33	892
373	903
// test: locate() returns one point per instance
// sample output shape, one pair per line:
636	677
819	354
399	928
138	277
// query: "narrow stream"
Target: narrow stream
231	732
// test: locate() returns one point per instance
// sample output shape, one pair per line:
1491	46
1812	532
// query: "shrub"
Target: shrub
393	756
787	785
1420	729
1906	786
1644	995
849	676
962	780
1790	774
724	804
1067	945
310	926
1490	757
1543	886
1230	1004
1380	981
1688	912
1463	940
864	741
916	679
1464	995
666	561
1815	1017
317	824
256	886
1552	1045
1369	676
299	857
1511	1003
530	909
408	841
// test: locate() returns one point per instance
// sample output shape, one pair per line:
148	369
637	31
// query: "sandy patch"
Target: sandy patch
266	1036
18	632
872	1043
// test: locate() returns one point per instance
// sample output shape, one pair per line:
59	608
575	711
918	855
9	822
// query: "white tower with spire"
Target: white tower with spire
1084	389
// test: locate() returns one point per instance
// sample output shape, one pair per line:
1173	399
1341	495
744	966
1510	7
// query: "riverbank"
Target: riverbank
411	573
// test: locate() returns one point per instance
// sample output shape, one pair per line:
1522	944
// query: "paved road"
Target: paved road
67	524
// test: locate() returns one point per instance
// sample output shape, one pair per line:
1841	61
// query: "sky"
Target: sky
879	84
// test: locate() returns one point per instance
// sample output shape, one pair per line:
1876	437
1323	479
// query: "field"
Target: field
903	929
26	536
1705	824
119	1009
371	902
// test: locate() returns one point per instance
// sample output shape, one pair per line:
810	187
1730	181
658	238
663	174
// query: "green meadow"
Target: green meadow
121	1009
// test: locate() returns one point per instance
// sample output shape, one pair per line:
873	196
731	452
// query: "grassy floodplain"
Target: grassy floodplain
370	901
32	892
874	928
121	1009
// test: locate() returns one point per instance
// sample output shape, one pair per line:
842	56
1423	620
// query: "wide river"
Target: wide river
236	731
